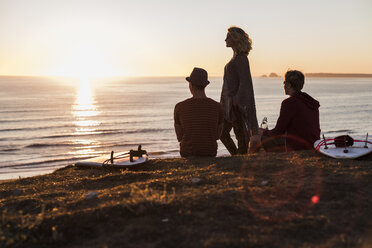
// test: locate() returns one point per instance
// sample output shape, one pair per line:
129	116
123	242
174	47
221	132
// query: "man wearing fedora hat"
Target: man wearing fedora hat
198	120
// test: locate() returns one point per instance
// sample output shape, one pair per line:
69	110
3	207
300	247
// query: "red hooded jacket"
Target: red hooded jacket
298	122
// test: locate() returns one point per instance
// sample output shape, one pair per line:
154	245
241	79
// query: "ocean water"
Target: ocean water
48	123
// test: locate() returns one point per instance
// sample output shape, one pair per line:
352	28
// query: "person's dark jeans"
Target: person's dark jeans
239	134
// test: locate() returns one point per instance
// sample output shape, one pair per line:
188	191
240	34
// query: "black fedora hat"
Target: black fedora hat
198	77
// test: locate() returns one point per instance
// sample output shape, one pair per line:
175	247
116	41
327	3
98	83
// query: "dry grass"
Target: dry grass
263	200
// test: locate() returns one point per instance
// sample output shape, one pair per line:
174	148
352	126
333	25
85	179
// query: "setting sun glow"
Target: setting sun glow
84	63
94	38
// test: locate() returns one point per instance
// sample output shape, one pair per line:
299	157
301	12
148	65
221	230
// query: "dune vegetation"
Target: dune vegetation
299	199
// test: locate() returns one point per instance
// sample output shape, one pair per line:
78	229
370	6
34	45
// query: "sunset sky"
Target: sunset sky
91	38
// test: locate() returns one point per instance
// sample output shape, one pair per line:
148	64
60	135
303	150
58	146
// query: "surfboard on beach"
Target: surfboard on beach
119	160
344	147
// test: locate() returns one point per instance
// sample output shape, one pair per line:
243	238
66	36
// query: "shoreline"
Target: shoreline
261	200
49	171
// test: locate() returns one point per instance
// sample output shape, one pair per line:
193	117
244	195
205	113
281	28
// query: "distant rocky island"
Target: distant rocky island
272	75
327	75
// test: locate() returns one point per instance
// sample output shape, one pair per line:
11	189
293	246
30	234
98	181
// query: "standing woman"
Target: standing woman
237	97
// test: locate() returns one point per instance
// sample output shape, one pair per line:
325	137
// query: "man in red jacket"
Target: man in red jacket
298	126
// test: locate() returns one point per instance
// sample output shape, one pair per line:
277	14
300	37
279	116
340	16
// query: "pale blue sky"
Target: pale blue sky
169	38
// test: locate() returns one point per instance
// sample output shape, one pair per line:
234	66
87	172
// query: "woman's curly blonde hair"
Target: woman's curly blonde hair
242	42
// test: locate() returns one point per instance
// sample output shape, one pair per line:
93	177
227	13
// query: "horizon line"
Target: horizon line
275	75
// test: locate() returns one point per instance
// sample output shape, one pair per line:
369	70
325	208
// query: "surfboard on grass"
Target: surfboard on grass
119	160
342	147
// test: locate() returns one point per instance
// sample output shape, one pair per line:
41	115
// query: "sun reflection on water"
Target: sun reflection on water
85	112
84	105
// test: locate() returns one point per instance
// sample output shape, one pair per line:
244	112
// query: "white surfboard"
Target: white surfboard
361	147
119	160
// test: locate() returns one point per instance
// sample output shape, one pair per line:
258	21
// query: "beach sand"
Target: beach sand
299	199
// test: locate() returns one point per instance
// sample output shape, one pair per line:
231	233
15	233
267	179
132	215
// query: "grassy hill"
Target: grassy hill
297	199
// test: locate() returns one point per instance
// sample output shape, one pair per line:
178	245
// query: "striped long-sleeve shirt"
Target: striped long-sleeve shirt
199	119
